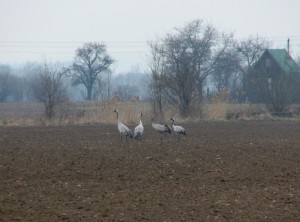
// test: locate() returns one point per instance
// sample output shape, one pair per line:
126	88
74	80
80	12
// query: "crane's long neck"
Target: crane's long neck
173	125
118	117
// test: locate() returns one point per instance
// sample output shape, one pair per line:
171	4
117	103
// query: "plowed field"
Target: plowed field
222	171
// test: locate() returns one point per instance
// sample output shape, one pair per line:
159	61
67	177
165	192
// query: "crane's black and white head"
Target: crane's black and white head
173	119
141	114
117	111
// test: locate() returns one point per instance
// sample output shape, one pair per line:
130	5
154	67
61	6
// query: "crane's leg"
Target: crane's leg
166	136
140	139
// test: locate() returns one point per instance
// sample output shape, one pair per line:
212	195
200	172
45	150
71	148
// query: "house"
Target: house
277	62
273	73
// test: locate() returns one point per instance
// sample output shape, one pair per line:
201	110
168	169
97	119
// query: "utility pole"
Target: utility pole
288	46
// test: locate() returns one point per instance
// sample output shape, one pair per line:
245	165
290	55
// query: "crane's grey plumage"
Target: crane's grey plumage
138	131
179	130
162	129
123	129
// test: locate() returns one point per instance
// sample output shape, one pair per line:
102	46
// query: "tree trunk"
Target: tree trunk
185	112
185	104
89	93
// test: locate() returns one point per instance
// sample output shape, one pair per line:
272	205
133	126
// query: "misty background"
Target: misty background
46	36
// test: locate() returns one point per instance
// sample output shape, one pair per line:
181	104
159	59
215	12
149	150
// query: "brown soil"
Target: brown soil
223	171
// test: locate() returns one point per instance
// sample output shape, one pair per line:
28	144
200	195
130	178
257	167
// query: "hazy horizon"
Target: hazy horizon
35	29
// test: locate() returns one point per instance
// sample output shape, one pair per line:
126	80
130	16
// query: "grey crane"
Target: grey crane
123	129
179	130
162	129
138	131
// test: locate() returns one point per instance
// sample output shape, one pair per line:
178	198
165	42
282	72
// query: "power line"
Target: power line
67	47
68	43
49	52
115	47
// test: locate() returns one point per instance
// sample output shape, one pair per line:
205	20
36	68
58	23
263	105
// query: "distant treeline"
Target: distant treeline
15	85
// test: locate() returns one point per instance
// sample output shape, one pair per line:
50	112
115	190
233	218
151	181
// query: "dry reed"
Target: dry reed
97	112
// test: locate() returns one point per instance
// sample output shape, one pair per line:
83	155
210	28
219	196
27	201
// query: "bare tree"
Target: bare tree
226	67
155	82
11	85
250	50
29	71
48	87
103	87
127	92
4	82
187	57
90	62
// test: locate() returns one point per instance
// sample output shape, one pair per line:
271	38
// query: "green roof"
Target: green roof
284	60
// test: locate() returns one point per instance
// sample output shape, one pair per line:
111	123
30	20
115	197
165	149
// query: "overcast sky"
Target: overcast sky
53	29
